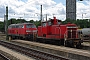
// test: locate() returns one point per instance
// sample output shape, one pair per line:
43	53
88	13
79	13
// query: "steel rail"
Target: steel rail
4	57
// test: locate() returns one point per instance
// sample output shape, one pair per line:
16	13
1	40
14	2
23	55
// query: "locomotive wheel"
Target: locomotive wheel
66	43
10	38
78	45
69	43
58	42
62	42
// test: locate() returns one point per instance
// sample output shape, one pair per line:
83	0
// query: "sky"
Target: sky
30	9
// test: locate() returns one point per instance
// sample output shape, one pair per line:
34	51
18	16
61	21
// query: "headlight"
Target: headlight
34	30
28	31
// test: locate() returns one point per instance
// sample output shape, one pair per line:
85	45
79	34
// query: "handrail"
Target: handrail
65	35
60	32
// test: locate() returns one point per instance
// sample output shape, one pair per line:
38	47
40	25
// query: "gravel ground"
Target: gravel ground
8	55
86	43
2	36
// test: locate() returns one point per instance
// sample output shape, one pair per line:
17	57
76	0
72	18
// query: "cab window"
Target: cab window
44	24
33	26
49	23
59	22
30	26
21	26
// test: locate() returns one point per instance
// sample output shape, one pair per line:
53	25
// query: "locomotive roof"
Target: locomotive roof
70	24
21	23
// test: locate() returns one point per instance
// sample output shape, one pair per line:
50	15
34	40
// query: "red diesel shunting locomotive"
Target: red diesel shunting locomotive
65	34
22	31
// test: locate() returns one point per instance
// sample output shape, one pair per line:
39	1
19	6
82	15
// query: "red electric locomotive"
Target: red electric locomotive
22	31
65	34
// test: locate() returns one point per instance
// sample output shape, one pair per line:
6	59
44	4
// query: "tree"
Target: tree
21	21
12	21
38	23
31	21
2	29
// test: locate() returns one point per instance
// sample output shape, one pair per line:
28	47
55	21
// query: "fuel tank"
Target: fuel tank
86	31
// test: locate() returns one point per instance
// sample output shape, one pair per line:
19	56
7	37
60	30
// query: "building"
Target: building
71	9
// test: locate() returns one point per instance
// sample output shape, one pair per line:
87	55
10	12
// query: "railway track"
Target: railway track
37	54
3	57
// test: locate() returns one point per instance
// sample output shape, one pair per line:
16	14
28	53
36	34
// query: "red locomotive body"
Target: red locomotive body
22	30
64	34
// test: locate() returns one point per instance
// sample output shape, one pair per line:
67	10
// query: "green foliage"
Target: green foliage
20	21
38	23
15	21
31	21
85	23
69	20
2	27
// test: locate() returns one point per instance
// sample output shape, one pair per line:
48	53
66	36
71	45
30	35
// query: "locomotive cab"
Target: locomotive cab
46	27
71	36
